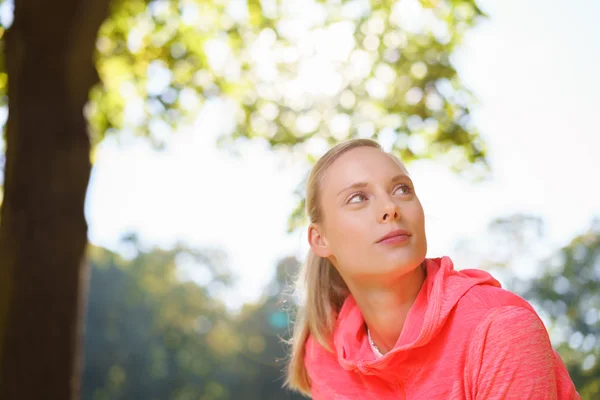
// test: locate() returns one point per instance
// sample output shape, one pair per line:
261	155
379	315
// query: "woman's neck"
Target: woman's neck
385	307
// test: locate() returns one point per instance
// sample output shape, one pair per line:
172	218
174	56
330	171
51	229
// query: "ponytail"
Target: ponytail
325	293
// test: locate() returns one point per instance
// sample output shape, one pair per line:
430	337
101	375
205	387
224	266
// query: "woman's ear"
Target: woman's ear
318	243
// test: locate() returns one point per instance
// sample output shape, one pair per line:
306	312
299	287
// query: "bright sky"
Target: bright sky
533	67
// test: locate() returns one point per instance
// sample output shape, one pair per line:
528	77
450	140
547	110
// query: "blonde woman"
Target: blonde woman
381	321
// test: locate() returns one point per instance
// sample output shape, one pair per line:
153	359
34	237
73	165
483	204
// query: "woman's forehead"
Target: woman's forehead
361	164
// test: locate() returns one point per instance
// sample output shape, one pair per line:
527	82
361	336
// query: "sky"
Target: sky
532	67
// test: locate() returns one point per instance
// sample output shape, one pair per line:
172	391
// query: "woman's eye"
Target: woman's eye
356	198
404	189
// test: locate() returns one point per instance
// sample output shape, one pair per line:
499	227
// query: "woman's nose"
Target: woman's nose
389	212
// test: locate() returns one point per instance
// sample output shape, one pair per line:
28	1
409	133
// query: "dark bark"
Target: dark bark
43	232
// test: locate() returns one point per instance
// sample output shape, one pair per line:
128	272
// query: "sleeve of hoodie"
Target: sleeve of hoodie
511	357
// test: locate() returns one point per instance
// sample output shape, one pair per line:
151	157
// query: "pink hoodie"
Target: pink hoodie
464	338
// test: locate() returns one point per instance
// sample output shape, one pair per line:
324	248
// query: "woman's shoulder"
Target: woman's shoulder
488	297
485	309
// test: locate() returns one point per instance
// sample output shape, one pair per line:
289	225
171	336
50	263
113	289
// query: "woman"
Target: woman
381	321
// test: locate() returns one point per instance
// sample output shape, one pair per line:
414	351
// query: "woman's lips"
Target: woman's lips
396	236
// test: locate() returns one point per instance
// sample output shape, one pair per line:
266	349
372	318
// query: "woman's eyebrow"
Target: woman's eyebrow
358	185
400	177
355	185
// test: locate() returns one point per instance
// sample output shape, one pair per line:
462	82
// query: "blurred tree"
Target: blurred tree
266	327
153	334
48	70
297	74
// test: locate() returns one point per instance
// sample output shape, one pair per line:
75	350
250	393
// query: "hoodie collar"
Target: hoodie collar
442	289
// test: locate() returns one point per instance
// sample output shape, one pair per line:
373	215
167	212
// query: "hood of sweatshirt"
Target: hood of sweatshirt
442	289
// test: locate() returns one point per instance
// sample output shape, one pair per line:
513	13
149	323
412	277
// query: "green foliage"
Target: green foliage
389	73
299	75
147	330
153	334
266	326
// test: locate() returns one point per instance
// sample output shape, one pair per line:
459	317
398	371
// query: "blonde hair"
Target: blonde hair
324	288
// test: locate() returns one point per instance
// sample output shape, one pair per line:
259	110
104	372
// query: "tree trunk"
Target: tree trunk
49	53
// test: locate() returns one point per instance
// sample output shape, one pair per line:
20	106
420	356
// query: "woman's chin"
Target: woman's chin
404	264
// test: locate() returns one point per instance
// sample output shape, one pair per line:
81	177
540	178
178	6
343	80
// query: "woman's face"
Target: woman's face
365	195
